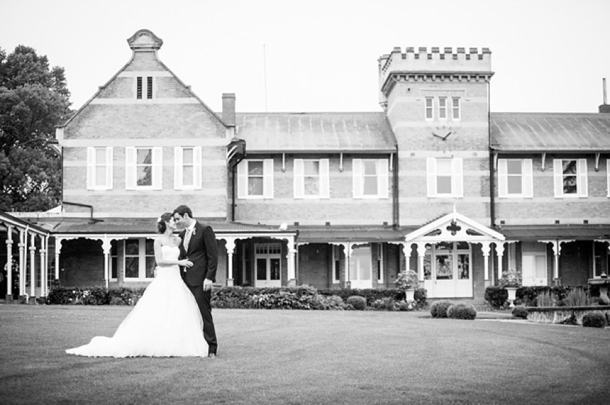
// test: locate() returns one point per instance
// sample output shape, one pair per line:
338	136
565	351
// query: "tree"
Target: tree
34	98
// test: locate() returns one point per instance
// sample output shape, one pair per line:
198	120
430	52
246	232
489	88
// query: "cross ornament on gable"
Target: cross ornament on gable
453	228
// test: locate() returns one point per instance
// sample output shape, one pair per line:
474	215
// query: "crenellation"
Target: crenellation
434	63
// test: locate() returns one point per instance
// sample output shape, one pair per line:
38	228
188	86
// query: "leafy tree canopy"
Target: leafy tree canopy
34	98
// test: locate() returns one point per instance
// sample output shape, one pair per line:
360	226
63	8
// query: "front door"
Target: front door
533	263
361	267
268	265
447	270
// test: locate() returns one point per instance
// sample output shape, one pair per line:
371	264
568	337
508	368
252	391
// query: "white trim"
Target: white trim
581	178
488	234
527	186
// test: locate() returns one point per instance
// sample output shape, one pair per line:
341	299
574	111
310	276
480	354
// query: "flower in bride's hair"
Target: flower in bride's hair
159	220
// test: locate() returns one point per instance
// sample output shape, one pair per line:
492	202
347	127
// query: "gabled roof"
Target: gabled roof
550	132
454	227
367	132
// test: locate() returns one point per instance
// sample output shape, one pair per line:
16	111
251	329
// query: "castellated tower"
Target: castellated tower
438	106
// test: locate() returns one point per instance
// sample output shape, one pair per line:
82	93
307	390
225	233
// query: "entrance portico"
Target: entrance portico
445	257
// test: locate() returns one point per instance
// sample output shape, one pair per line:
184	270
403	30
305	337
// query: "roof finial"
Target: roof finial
144	40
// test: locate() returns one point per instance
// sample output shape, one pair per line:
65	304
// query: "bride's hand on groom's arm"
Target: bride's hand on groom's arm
185	263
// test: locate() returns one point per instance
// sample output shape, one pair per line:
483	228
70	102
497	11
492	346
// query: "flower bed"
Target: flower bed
563	314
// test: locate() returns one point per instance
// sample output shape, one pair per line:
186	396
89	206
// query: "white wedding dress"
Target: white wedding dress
165	322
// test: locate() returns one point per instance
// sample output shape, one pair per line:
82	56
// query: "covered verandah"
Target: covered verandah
24	261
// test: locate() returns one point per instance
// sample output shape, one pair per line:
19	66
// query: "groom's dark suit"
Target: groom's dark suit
203	252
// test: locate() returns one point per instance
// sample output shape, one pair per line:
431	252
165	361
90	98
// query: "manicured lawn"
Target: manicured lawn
308	357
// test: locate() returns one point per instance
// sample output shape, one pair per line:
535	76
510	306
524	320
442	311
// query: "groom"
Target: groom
199	246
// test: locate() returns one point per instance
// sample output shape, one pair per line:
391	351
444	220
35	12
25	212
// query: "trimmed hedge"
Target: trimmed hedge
438	309
594	320
461	311
303	297
520	312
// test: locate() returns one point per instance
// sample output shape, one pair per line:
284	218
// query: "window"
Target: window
446	111
429	108
445	177
255	179
336	251
370	178
442	108
515	178
139	259
311	178
143	168
187	168
99	168
455	109
140	83
570	177
114	260
379	262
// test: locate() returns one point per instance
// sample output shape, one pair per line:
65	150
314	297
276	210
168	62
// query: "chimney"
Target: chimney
604	108
228	109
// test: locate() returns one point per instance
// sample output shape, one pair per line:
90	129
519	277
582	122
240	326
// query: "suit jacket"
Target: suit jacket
203	252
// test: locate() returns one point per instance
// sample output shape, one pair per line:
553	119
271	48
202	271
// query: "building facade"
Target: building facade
434	182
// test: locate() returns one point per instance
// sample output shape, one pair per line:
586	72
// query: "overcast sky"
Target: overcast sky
321	55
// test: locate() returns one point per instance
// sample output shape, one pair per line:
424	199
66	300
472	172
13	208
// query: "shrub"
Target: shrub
438	309
95	296
461	311
545	299
329	302
404	306
578	297
594	320
385	304
358	302
520	312
496	296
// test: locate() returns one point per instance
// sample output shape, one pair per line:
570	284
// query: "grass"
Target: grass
307	357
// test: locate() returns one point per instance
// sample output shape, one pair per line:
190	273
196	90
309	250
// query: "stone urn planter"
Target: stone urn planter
512	295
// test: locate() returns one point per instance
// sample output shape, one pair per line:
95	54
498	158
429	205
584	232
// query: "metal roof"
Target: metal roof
550	132
351	234
543	232
316	132
148	225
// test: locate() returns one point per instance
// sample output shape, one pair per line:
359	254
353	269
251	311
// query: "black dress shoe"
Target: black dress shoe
212	355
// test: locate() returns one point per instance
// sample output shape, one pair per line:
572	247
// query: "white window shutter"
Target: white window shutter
157	168
528	178
324	178
358	185
178	168
502	178
299	183
268	178
431	170
458	177
583	187
558	177
197	166
109	167
382	183
130	168
242	179
90	168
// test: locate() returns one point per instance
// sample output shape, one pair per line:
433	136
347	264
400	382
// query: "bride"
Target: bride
166	321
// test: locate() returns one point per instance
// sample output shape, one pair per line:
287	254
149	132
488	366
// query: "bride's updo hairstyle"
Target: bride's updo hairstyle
161	226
